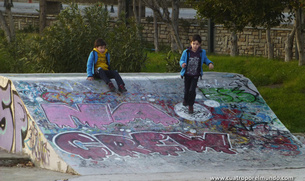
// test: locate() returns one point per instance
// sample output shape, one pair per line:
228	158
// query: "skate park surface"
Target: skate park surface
67	124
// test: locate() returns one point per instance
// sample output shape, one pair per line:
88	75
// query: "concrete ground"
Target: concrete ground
19	167
38	174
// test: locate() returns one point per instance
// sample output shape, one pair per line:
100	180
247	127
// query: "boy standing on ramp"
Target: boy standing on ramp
191	62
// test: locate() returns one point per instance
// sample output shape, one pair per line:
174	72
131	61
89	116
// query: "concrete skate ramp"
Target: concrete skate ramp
68	124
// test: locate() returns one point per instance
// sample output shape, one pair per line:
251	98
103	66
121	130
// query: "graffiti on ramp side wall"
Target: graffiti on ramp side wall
13	119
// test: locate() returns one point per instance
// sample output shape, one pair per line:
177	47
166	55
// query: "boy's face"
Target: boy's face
195	45
101	49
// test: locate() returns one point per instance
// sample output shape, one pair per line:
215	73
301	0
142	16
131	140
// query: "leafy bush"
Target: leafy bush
172	62
13	57
65	46
4	62
126	48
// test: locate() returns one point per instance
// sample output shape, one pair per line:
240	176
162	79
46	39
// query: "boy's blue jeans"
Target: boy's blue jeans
106	75
190	84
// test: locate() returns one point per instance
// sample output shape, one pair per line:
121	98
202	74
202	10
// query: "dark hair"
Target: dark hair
196	38
99	42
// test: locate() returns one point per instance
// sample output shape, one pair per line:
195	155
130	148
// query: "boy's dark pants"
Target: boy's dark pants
106	75
190	84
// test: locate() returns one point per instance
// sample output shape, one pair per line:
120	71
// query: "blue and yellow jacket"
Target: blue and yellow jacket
92	60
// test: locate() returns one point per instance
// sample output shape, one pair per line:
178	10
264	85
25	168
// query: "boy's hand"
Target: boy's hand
183	65
211	66
90	78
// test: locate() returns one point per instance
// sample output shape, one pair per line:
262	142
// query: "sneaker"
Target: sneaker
122	88
191	109
111	87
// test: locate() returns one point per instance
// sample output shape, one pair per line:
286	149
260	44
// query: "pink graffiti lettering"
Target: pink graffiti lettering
218	142
127	112
91	114
99	146
99	114
83	145
122	146
157	142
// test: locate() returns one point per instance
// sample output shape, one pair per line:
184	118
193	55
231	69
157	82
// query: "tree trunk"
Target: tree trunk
289	45
156	36
43	15
137	14
8	28
121	7
137	17
175	24
157	5
134	9
269	44
5	27
174	33
140	11
299	36
234	48
11	22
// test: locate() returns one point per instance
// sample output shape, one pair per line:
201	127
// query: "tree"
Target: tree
8	27
268	14
236	15
164	15
297	8
156	34
175	24
289	45
230	13
137	14
121	7
299	35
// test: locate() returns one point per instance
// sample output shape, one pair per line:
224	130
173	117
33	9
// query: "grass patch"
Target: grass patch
288	107
281	84
155	62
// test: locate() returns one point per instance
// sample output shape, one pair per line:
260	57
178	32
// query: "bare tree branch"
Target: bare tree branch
164	16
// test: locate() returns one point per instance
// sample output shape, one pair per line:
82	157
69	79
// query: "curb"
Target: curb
11	159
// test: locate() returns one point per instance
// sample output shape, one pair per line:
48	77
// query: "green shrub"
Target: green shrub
65	46
4	62
13	56
4	56
172	62
127	50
